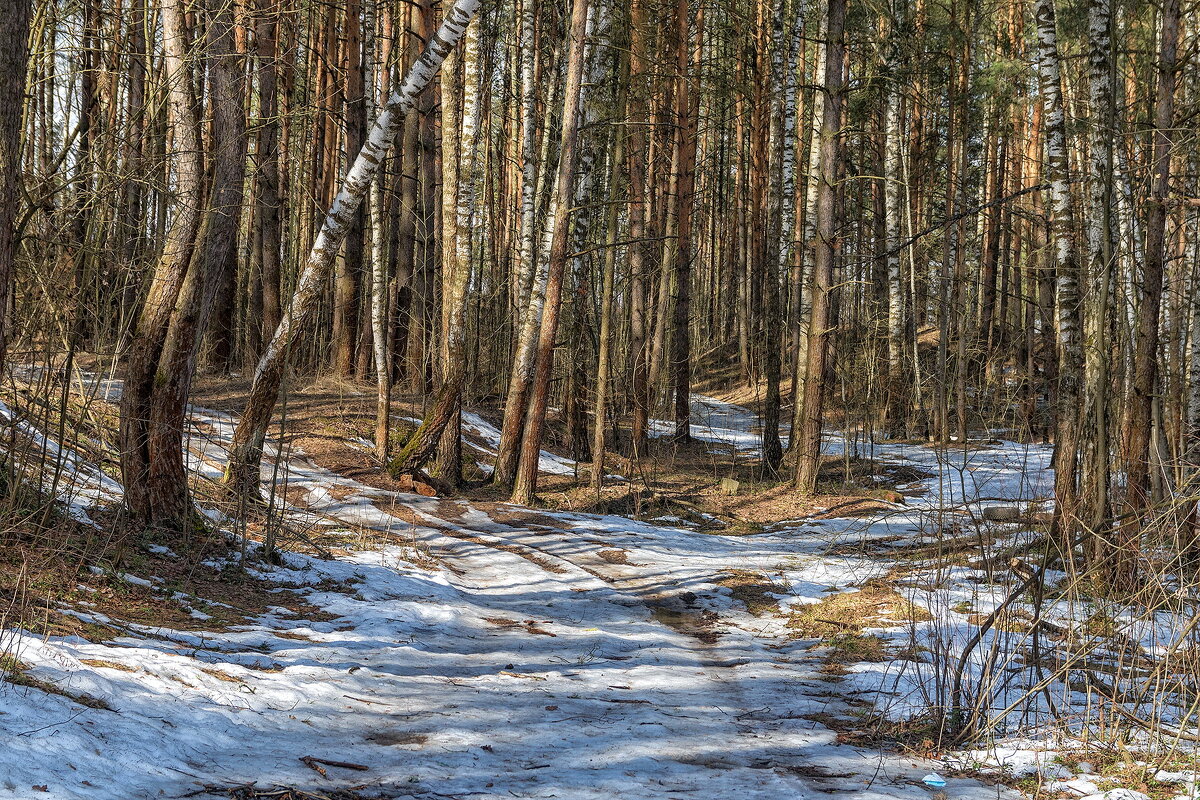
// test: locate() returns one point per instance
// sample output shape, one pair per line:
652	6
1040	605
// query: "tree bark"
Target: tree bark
1137	435
242	473
1066	288
14	56
808	436
151	405
531	445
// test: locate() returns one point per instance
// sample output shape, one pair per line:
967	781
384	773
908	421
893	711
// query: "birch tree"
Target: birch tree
242	473
1066	286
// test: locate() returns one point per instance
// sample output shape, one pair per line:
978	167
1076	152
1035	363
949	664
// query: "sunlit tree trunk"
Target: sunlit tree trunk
808	433
150	428
639	289
531	444
1066	288
1101	252
242	473
531	269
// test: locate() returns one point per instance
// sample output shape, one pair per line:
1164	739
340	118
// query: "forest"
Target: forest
595	399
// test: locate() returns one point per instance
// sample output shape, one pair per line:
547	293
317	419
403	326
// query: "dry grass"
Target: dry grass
16	672
754	590
614	556
876	605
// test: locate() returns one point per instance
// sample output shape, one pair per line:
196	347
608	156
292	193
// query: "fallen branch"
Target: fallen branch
314	763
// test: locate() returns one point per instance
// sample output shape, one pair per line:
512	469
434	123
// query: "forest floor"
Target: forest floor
713	645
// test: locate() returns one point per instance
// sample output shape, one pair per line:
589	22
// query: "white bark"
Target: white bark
251	431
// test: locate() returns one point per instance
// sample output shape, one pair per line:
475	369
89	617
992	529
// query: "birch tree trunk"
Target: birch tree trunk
531	269
381	295
242	474
812	186
897	422
897	397
1101	251
1066	287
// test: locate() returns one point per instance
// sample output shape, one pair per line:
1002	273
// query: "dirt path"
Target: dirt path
472	651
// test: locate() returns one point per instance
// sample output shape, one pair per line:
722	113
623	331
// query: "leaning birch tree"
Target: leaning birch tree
242	473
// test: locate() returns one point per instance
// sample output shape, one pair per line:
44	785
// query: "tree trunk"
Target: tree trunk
605	343
151	407
1066	288
1101	249
242	474
638	300
266	213
808	436
531	445
897	393
685	152
458	208
1140	421
229	146
14	55
349	266
531	267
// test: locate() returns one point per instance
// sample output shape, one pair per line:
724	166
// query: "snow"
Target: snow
520	660
547	462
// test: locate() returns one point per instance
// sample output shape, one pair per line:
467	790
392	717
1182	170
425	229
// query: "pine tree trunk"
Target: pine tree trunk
808	434
150	427
686	105
229	147
608	278
531	445
638	300
1136	439
349	267
14	56
268	202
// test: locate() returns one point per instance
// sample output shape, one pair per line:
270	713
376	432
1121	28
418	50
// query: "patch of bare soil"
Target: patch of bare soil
332	422
701	625
754	590
528	625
